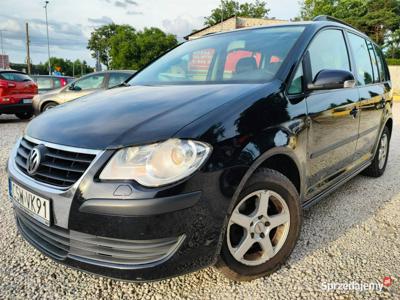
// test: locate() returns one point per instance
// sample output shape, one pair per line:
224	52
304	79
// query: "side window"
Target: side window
381	64
90	82
57	82
117	78
296	87
373	60
44	83
363	62
328	51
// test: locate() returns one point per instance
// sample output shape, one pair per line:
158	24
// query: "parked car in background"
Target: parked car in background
16	92
47	83
83	86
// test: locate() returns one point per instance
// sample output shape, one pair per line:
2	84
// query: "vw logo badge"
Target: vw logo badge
33	161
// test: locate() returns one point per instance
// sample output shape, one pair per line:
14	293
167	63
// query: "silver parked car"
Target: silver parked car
81	87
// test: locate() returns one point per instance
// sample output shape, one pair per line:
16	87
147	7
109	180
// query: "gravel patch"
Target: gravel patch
350	237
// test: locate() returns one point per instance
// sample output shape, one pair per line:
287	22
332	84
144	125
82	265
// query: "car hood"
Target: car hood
129	116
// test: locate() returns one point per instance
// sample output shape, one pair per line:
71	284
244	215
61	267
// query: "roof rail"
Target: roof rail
332	19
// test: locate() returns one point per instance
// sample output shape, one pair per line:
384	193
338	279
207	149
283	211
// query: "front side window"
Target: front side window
296	87
235	57
363	61
117	78
328	51
90	82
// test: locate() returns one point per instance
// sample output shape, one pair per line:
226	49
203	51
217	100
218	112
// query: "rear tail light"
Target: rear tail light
3	84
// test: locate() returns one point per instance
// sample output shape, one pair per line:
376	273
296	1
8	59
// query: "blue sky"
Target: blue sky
71	21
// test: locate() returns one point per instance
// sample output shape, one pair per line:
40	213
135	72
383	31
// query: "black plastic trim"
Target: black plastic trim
142	207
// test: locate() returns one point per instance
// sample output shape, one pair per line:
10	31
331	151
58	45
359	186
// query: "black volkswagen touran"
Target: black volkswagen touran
206	156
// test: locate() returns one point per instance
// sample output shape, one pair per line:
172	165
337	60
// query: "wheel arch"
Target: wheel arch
389	125
44	103
281	159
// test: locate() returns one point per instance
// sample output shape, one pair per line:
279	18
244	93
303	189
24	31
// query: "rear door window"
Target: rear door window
364	70
381	64
373	61
45	83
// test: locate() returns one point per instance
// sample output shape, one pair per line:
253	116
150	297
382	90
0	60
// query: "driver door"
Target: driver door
83	86
333	114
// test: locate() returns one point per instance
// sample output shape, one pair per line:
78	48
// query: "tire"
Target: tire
24	115
49	105
378	166
255	265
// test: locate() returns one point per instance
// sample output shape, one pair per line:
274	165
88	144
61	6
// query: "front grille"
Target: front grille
58	167
59	244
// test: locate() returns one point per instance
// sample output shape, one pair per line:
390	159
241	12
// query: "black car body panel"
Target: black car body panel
318	139
132	117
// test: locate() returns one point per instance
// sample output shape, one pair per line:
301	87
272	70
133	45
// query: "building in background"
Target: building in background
4	61
233	23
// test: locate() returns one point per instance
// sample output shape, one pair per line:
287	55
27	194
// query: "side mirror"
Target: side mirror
72	87
332	79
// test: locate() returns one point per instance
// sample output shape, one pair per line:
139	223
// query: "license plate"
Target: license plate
26	101
34	205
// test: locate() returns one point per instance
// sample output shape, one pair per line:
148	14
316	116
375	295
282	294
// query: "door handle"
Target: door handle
354	112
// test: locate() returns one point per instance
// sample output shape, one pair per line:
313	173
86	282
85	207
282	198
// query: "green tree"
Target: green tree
152	42
374	17
67	67
100	42
231	8
393	44
131	49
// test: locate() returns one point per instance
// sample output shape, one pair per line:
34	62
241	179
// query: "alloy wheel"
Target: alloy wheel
258	227
383	150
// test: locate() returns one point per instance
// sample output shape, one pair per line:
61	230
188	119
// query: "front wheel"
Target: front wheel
24	115
263	227
378	166
48	106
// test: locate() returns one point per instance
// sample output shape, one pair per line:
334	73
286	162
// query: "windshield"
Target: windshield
237	57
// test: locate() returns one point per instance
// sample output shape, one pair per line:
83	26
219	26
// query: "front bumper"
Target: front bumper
147	235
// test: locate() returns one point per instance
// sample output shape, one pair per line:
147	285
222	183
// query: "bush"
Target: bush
393	61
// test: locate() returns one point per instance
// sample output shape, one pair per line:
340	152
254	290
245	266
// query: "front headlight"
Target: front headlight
157	164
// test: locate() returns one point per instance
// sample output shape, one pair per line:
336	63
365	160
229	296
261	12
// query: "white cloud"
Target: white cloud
182	25
101	21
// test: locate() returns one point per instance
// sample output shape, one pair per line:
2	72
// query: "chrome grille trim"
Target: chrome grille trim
63	165
61	244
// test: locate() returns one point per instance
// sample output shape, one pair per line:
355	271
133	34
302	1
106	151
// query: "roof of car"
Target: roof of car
52	76
114	71
10	71
317	23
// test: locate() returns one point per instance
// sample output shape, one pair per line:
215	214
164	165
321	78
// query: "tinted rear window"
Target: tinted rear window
12	76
